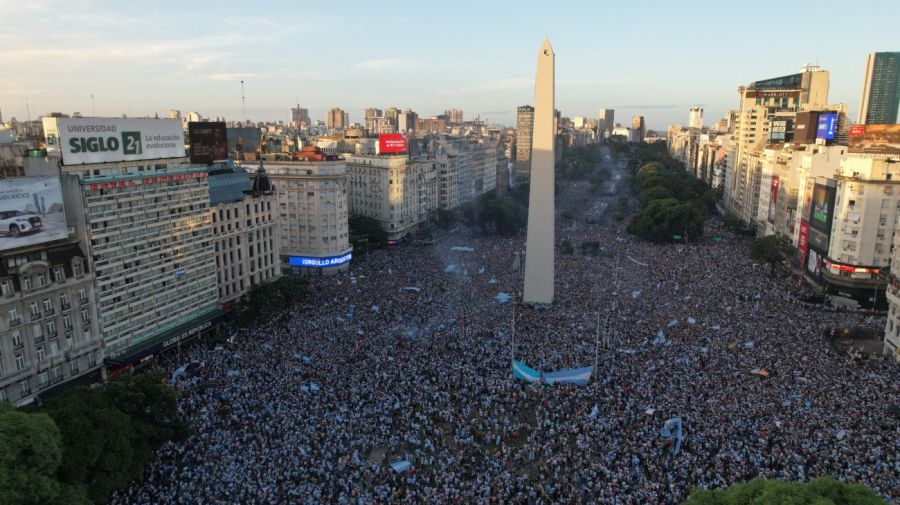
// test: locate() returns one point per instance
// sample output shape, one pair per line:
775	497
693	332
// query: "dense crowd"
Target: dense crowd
315	406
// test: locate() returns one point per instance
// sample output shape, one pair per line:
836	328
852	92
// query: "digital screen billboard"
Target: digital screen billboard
803	240
243	140
875	138
31	212
773	197
314	262
208	142
392	143
827	125
107	140
780	129
822	208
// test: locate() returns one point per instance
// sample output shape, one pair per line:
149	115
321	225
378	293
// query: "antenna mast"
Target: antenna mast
243	104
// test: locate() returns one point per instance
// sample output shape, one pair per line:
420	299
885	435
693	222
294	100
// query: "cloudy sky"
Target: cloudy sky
651	58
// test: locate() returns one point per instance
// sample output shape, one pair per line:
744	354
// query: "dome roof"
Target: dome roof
261	183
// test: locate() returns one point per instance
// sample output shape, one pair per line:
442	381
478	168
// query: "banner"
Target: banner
672	429
104	140
576	376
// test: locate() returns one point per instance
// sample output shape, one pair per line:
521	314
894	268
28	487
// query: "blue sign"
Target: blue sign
827	126
313	262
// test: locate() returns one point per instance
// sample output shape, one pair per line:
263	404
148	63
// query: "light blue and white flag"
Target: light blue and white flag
523	372
595	411
401	465
577	376
672	429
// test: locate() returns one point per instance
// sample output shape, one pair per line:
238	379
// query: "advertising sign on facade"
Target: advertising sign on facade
803	241
314	262
109	140
875	138
208	142
392	143
773	198
31	212
780	129
822	208
827	126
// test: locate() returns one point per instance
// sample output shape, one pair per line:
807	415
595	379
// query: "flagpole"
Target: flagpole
512	348
597	343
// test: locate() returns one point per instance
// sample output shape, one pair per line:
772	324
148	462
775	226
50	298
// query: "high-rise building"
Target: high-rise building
881	89
606	120
311	191
174	114
143	213
300	117
455	116
637	124
406	121
696	118
370	118
337	119
524	128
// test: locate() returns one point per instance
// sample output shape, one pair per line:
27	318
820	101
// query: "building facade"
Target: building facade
313	212
49	329
881	89
246	234
337	119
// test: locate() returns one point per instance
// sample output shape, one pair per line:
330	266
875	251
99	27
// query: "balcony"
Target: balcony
50	311
65	306
15	322
36	316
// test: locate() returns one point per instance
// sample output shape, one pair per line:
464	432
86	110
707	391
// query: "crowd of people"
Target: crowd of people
406	357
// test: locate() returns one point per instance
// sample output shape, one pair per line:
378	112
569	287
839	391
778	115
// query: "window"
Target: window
5	288
76	268
43	379
59	274
48	307
87	337
73	366
64	301
17	339
42	279
20	362
84	316
34	308
39	353
70	344
54	348
92	359
67	322
13	317
82	295
55	374
24	387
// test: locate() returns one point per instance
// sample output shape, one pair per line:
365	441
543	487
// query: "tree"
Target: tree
30	454
822	491
770	250
663	219
366	233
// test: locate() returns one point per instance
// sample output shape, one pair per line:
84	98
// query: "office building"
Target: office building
406	121
637	124
387	189
606	120
337	119
696	118
454	116
524	127
881	89
300	117
246	234
370	116
311	191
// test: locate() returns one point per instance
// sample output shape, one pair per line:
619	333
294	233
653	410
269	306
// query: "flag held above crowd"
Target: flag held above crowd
576	376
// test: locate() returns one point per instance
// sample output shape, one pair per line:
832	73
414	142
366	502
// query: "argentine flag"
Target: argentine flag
577	376
521	371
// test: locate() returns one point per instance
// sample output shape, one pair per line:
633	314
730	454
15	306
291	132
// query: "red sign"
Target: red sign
857	130
391	143
803	241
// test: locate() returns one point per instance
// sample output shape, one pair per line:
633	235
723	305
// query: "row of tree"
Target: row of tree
583	163
267	300
821	491
86	442
673	205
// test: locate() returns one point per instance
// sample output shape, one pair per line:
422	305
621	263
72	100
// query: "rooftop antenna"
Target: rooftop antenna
93	109
243	103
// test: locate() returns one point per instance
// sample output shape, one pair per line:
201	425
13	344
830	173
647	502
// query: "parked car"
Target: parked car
16	222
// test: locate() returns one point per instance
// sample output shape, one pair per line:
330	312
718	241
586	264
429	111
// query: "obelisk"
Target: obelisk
539	249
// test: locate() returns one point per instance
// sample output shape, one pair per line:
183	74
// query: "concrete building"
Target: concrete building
370	115
49	329
881	89
311	191
300	117
696	118
454	116
246	232
387	188
337	119
540	243
607	120
524	133
760	103
637	124
406	121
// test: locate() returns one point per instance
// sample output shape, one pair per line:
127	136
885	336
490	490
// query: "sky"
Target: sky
656	59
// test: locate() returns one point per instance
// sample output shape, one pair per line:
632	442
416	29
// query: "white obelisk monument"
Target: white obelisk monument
539	250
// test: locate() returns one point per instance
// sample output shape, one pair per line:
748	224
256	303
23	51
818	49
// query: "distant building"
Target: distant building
406	121
637	124
696	118
299	117
524	132
881	89
337	119
606	120
370	116
455	116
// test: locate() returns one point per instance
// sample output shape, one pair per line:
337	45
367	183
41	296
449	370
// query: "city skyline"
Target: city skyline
657	62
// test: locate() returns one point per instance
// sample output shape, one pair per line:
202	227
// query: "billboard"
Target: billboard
82	140
781	129
803	241
826	126
316	262
31	212
875	138
392	143
243	140
822	210
208	141
804	131
773	198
